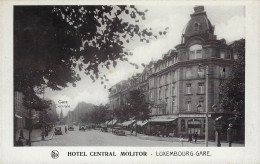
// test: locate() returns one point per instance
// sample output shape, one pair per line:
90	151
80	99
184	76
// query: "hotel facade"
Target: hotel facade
176	85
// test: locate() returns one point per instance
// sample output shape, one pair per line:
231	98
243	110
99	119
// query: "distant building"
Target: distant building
176	84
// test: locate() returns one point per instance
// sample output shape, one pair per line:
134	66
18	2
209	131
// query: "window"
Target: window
196	26
188	105
201	88
166	78
173	91
207	51
235	56
222	72
173	104
192	55
222	54
166	107
188	89
201	72
173	74
183	125
174	60
188	74
160	94
201	104
151	95
199	54
195	51
166	92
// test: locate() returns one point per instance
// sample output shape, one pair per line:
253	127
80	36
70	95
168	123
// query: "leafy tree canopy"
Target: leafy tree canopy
51	43
233	89
136	107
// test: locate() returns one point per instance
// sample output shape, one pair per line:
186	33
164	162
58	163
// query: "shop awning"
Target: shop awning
112	122
142	123
127	123
16	115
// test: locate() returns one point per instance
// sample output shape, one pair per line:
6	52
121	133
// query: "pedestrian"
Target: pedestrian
20	142
196	136
21	134
181	140
65	129
229	135
190	137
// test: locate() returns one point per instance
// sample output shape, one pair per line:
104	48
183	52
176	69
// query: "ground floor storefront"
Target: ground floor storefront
179	125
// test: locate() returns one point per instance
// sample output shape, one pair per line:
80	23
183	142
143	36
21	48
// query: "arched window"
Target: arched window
183	125
196	26
195	51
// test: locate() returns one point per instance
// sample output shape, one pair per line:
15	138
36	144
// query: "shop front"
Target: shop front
162	126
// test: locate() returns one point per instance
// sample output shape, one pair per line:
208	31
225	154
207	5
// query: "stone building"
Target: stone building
176	84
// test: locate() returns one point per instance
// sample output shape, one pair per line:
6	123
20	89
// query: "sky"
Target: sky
229	24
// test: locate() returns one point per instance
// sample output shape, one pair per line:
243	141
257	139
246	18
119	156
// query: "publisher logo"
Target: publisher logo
54	154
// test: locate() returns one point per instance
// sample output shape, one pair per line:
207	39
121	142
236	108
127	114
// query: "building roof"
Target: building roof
198	25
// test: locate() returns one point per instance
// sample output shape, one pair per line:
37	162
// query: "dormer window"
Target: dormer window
196	26
195	52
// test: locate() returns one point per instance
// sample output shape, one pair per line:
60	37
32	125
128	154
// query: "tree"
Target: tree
97	115
53	43
137	107
233	89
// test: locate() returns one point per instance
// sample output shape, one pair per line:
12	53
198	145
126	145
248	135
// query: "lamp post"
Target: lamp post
207	103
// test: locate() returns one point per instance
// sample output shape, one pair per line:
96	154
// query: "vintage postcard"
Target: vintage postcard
134	82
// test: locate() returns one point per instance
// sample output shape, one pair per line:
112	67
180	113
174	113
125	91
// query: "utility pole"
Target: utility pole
207	108
207	104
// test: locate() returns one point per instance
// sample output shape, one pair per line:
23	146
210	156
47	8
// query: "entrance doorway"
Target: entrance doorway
194	126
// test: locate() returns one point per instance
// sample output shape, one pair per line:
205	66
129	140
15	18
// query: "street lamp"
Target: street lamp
207	110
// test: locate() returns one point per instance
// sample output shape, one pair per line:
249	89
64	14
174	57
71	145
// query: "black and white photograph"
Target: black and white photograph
129	76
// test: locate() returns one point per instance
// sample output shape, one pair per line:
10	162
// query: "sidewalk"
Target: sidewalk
199	143
35	135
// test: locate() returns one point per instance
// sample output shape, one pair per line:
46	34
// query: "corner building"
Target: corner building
176	84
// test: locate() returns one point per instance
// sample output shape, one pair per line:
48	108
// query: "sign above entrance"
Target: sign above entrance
193	115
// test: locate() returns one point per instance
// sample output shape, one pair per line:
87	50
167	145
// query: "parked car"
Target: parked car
71	128
118	131
57	131
103	129
82	128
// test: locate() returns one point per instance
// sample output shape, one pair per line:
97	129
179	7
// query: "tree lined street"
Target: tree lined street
96	138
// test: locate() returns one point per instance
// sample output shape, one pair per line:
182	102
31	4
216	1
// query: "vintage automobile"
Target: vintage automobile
71	128
57	131
82	128
103	129
118	131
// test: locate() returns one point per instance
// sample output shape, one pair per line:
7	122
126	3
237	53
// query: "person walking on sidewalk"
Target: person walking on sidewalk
190	137
65	129
181	140
196	136
229	135
20	142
